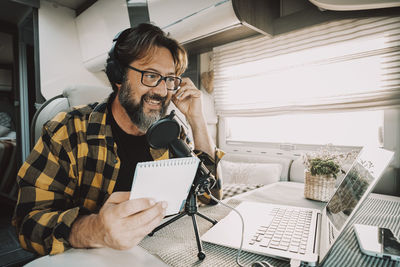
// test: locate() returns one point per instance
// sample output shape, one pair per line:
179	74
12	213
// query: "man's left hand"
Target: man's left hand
188	100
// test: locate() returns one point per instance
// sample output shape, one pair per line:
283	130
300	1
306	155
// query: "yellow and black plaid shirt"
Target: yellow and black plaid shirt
71	171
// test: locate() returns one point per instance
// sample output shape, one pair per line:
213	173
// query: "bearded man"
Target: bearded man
75	185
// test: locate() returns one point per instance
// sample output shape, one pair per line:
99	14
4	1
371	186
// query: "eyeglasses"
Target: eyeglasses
152	79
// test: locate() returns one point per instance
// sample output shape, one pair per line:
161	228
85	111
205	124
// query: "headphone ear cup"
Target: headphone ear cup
114	71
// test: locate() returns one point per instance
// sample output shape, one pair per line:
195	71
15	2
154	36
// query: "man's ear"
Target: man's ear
118	86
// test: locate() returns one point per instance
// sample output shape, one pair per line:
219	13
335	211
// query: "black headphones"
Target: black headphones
114	70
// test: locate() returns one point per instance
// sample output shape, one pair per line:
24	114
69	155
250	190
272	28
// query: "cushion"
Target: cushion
297	171
85	94
230	190
250	173
5	120
254	158
4	130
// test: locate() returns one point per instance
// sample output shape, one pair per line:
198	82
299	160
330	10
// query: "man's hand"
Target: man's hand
120	224
126	222
188	100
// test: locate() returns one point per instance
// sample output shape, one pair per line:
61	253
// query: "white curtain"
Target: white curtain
345	65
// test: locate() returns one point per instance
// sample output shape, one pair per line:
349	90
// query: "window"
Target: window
328	83
339	129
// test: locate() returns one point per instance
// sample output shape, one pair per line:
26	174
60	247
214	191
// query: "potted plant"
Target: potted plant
322	170
321	166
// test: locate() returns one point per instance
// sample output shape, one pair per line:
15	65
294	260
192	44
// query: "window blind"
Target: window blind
350	64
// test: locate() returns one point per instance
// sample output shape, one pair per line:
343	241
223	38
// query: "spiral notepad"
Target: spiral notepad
165	180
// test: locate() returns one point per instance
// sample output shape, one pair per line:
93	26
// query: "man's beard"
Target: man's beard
135	110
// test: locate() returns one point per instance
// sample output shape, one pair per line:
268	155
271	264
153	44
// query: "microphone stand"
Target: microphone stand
164	133
191	210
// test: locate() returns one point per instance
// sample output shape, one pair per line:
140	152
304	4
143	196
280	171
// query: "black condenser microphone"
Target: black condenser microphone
164	133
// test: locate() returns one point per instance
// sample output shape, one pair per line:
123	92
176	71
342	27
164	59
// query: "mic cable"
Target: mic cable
239	251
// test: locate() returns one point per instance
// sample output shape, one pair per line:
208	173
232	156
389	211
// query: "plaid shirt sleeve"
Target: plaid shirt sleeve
212	165
44	212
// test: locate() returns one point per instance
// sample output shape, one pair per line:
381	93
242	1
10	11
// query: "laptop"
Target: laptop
307	235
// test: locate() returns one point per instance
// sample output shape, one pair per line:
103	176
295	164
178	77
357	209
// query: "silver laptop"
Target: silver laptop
299	233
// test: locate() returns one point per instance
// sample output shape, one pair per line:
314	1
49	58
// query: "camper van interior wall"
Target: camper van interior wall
207	81
100	22
202	25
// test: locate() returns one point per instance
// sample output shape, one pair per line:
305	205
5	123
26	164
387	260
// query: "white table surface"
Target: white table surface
138	257
99	257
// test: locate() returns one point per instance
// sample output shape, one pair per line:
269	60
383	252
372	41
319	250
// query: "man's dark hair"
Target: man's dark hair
137	43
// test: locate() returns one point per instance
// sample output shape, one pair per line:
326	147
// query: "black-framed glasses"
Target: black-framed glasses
152	79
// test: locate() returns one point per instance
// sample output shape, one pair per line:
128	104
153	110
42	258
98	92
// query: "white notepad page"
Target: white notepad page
165	180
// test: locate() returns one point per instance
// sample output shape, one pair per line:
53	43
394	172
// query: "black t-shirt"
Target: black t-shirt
131	149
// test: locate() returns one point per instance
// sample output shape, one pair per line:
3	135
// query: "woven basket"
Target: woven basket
319	187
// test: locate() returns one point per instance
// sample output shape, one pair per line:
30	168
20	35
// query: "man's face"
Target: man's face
145	105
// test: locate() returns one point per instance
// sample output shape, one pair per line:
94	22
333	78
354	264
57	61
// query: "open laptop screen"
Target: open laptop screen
362	176
349	193
353	190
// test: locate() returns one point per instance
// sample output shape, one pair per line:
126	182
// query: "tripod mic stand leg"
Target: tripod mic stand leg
190	210
167	223
201	255
214	222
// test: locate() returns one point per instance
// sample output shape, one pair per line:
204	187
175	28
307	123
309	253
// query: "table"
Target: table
176	243
377	209
100	257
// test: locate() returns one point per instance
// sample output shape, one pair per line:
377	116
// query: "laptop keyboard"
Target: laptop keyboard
288	230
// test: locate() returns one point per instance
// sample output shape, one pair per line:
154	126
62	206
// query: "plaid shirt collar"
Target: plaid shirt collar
99	129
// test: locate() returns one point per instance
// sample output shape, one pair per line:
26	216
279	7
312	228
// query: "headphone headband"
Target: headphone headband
116	40
114	69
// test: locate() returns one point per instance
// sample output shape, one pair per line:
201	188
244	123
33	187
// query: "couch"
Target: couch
243	172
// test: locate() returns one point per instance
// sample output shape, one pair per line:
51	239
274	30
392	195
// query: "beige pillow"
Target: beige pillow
4	130
297	171
250	173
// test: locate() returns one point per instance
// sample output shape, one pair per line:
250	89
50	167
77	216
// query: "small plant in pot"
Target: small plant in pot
320	166
322	170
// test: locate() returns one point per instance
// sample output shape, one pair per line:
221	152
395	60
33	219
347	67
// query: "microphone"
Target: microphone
164	133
